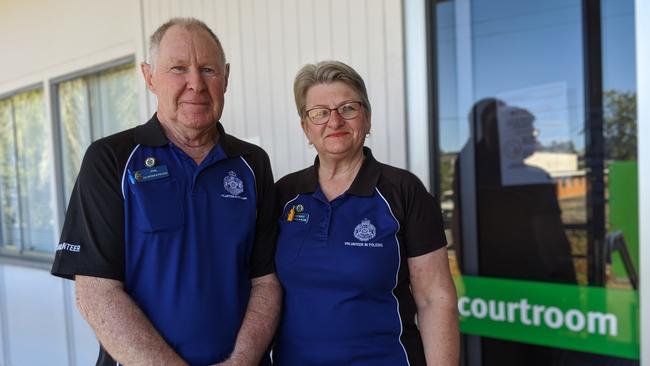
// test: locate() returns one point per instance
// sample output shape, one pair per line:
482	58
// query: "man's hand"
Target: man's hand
121	327
260	322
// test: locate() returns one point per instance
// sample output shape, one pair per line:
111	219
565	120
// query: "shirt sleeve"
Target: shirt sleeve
92	239
423	224
266	229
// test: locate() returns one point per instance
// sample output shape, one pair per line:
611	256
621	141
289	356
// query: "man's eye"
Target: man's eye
178	68
207	70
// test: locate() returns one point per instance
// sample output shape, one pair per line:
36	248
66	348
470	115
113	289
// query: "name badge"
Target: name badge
301	217
148	174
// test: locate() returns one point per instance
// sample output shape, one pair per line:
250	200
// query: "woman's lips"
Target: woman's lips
337	134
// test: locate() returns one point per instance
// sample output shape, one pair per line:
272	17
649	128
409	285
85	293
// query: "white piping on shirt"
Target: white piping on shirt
399	262
124	172
257	196
289	201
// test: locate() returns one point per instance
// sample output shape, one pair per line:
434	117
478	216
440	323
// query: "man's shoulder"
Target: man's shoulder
112	149
249	151
123	140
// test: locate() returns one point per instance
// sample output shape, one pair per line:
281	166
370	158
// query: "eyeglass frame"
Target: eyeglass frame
361	104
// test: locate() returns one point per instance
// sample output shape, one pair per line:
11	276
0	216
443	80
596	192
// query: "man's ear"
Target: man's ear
225	76
147	73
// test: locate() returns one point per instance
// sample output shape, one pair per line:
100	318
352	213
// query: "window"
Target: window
26	200
90	107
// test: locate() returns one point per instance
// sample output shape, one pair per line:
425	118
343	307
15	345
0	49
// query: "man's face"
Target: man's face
189	79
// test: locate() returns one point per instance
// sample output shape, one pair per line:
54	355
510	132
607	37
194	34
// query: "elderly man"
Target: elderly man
170	229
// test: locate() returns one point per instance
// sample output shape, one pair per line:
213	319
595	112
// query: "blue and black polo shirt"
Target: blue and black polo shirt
343	267
185	239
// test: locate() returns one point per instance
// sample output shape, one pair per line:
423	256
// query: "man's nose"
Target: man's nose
195	80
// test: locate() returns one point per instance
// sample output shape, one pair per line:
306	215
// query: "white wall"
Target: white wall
40	41
266	42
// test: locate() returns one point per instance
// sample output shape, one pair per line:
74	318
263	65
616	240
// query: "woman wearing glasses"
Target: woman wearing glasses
361	249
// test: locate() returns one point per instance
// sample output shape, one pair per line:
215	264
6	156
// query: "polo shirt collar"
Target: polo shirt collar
152	134
363	184
366	180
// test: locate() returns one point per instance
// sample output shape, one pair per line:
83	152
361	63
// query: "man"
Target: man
170	229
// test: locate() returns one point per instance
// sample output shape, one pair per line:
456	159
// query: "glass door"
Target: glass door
536	141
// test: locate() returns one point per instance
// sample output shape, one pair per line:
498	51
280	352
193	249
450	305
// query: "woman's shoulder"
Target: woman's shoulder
398	177
296	180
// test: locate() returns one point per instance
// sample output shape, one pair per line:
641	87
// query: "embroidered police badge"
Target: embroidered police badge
232	184
365	230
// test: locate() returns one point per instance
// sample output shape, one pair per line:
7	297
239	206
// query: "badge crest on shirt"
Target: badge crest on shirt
150	162
365	230
232	184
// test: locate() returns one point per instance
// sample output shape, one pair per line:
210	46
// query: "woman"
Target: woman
361	247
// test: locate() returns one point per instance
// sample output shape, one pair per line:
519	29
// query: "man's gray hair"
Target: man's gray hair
326	72
187	23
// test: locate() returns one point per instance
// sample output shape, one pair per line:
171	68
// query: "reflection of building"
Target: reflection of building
553	162
563	168
571	184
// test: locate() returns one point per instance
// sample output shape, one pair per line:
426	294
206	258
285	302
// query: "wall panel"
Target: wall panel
35	317
39	39
267	42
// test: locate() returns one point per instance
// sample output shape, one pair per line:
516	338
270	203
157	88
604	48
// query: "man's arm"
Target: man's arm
435	298
121	327
261	319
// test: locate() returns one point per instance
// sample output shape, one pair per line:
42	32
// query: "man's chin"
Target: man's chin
197	122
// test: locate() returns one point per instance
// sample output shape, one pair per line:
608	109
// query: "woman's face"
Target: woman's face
338	137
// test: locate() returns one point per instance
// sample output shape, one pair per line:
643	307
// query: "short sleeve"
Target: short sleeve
92	239
266	228
424	229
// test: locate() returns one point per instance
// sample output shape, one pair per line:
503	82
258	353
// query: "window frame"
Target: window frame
20	256
51	109
61	203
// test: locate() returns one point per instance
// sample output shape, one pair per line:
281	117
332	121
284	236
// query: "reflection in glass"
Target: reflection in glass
27	218
619	129
520	229
92	107
9	214
516	68
75	125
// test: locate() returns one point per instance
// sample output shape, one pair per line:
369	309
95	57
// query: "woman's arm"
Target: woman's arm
435	298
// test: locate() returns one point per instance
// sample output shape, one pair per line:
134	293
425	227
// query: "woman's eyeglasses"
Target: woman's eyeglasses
347	110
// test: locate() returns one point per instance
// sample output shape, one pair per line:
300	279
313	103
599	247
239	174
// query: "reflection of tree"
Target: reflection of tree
73	106
619	125
25	172
8	188
92	107
447	161
120	102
